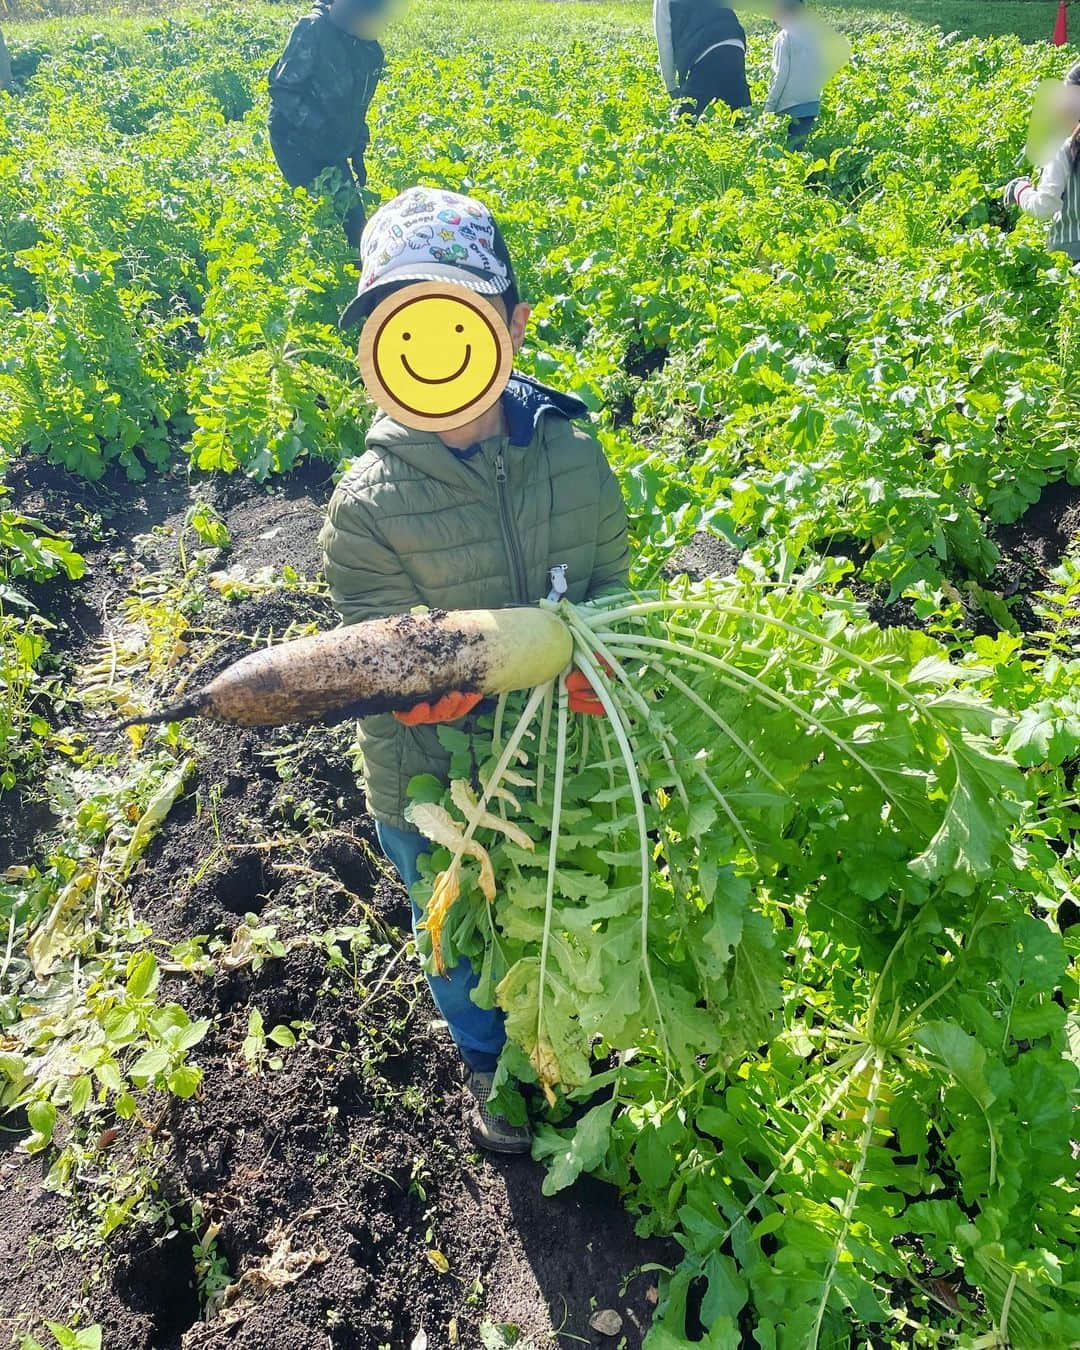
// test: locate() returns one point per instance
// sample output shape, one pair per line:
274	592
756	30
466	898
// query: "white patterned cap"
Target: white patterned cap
430	234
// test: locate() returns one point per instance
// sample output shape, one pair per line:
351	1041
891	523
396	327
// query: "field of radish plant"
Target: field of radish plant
789	942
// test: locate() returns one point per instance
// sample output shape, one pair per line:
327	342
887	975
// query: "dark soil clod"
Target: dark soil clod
156	1280
242	887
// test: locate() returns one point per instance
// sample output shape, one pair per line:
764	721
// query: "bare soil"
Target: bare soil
1032	548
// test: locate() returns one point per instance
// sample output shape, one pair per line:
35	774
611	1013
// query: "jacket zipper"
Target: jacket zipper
511	540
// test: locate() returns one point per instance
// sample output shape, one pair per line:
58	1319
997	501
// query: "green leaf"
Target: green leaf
961	1054
156	810
771	1223
499	1335
81	1091
143	974
983	796
583	1150
109	1076
149	1064
88	1338
42	1118
188	1037
184	1081
425	787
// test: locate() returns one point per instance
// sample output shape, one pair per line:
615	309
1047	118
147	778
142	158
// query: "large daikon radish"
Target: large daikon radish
383	665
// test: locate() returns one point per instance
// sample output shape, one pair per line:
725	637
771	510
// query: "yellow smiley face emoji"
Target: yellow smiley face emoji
435	356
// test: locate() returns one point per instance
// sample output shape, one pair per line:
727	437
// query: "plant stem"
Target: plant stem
591	638
553	856
596	679
852	1196
735	676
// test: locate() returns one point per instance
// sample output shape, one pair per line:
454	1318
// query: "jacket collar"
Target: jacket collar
525	403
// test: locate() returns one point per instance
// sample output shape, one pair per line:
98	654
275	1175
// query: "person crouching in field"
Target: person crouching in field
1057	198
798	71
320	90
472	518
702	48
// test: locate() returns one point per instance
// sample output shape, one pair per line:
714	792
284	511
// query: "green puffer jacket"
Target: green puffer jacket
411	523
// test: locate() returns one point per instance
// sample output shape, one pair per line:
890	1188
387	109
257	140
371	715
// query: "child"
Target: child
798	73
1057	198
320	90
702	49
471	518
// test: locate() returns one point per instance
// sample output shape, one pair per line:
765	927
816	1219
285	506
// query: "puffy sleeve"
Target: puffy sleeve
612	550
295	67
367	580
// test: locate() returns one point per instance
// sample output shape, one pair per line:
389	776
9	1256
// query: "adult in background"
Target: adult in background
5	65
1057	198
320	90
702	49
806	54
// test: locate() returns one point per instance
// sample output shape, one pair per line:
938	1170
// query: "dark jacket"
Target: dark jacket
685	29
413	522
320	90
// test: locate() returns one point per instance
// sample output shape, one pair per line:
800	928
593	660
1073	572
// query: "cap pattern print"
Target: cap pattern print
430	234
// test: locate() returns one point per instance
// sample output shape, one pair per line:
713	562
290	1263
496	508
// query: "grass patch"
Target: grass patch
1030	20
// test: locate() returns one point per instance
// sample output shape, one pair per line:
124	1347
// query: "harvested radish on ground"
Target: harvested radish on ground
383	665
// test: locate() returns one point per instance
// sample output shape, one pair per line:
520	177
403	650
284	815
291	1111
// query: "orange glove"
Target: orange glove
446	709
583	697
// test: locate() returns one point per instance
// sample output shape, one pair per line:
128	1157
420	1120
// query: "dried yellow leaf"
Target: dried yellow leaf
446	890
547	1069
466	801
438	1260
487	876
505	796
438	825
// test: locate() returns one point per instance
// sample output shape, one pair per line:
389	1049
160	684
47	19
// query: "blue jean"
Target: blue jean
478	1033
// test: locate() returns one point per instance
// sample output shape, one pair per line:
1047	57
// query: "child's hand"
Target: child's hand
446	709
583	697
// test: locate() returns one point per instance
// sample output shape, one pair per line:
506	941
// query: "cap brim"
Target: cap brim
361	305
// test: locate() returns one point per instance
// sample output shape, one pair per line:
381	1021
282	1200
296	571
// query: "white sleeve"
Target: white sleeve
781	69
661	15
1045	201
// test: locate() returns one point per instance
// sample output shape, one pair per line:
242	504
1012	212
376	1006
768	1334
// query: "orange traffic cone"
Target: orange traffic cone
1061	27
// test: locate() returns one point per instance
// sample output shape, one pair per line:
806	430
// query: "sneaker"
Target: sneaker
489	1131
